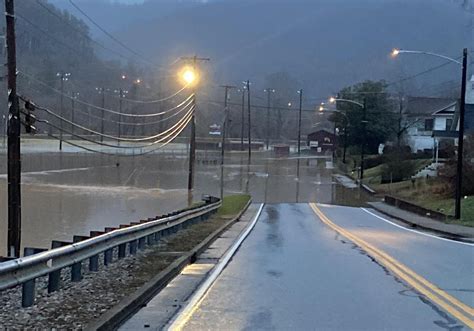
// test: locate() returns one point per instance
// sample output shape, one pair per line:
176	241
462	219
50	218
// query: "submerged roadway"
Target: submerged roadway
322	267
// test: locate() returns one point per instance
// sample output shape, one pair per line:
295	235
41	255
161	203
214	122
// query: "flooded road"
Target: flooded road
66	194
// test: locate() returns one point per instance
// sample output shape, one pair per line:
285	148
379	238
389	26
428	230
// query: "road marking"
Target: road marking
423	286
419	232
183	316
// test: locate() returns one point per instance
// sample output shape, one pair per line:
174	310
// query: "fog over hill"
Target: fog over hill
324	44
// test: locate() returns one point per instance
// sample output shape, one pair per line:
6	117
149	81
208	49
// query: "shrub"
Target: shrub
448	171
398	167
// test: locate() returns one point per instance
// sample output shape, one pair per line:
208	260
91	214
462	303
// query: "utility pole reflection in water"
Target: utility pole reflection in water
297	179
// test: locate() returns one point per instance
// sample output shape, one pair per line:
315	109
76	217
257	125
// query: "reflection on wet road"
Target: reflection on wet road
71	194
294	272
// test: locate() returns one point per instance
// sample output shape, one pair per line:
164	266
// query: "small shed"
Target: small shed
281	150
322	141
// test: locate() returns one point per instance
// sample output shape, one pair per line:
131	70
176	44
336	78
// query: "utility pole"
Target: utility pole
120	114
102	115
14	126
101	91
249	122
192	142
462	111
364	142
73	97
242	121
269	91
345	142
63	76
223	135
300	92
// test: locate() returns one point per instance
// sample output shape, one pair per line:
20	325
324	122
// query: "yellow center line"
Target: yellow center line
416	281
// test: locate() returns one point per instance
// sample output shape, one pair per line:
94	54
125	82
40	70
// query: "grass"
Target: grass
233	204
373	176
429	194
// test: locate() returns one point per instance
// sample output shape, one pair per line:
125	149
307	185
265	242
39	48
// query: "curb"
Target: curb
120	313
417	226
183	315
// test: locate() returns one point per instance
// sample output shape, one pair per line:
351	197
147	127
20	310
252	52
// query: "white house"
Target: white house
425	118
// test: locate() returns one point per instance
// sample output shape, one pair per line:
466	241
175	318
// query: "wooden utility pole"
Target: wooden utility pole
269	91
460	158
300	92
249	122
223	135
192	139
242	125
14	127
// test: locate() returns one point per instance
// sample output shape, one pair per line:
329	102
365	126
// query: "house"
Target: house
469	114
322	141
430	121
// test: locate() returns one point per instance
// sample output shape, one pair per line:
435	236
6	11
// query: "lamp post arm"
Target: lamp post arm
431	54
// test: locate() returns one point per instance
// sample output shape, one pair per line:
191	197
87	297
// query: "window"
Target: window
449	123
429	124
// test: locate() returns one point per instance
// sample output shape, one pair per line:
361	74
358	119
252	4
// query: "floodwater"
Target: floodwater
66	194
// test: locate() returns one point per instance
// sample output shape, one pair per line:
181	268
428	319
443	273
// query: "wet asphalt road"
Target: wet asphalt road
295	272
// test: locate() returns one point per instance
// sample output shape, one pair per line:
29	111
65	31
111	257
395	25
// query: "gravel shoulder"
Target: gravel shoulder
77	304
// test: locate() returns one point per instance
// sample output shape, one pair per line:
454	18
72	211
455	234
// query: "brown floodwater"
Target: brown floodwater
66	194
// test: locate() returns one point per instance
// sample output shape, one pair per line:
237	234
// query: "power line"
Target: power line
114	154
180	126
138	55
40	29
45	7
128	123
106	109
50	112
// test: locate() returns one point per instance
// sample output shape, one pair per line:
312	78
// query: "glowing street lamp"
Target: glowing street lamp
188	76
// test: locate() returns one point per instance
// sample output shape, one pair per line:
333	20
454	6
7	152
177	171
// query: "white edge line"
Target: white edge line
418	232
183	315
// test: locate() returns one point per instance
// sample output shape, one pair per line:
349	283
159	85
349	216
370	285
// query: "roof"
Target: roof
321	133
417	106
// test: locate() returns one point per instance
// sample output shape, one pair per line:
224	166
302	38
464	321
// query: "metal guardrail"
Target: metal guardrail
24	271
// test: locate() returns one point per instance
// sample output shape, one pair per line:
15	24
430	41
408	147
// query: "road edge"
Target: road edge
413	225
183	315
121	312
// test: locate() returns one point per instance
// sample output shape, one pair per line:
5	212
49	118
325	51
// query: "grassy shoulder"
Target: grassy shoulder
233	204
427	193
430	194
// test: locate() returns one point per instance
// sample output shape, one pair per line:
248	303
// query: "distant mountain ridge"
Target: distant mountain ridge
326	44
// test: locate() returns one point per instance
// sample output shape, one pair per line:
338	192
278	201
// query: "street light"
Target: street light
188	76
363	106
63	77
462	110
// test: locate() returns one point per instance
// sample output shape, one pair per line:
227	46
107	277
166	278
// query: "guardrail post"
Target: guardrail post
94	260
54	277
141	243
150	239
109	253
122	251
133	247
108	256
157	236
28	287
76	268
